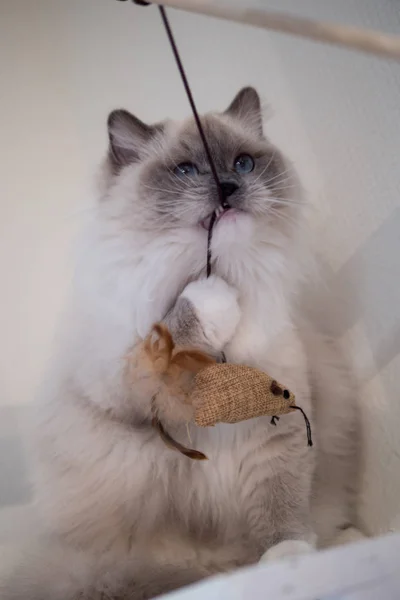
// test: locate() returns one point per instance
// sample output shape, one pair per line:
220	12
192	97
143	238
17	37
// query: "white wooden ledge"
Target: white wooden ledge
366	570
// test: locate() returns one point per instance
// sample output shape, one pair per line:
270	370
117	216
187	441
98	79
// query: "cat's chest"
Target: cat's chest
233	451
215	498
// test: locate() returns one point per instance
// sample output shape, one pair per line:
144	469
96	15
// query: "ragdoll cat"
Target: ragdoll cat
126	517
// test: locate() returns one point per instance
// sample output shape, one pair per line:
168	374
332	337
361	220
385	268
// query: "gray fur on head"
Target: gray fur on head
169	200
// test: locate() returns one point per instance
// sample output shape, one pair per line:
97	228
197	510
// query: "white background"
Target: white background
65	65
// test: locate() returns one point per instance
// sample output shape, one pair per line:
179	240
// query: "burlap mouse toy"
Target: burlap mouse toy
217	392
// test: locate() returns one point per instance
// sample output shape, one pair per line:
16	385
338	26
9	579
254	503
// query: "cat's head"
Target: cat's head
160	176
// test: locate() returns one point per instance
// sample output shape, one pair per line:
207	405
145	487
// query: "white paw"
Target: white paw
348	536
216	307
287	548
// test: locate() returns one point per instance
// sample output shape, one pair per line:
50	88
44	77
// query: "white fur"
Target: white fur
286	549
216	306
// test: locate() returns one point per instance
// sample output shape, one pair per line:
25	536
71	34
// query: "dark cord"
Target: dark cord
209	237
189	94
191	101
308	426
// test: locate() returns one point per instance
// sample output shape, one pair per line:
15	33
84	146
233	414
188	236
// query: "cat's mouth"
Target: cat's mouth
221	213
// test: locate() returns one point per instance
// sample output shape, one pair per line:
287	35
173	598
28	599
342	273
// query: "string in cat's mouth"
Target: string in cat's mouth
219	213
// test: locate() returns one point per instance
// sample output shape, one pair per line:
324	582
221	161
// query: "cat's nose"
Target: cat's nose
228	188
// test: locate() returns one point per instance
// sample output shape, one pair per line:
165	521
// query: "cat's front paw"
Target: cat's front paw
215	305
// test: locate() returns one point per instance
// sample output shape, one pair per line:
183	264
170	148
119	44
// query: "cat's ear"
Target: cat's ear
246	106
128	136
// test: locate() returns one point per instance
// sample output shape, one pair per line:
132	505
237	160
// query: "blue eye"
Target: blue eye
186	169
244	163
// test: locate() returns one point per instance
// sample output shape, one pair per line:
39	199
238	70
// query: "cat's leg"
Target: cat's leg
205	315
336	436
336	480
303	543
278	510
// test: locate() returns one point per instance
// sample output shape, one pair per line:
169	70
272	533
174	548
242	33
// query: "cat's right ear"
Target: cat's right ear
246	106
128	136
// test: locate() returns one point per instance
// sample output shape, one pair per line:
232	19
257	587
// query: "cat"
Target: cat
125	516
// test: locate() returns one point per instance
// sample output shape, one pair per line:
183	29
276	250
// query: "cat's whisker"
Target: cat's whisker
279	176
275	201
265	168
285	188
297	223
284	181
283	192
270	197
284	217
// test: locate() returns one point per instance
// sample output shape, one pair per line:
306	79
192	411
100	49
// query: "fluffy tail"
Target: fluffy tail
55	572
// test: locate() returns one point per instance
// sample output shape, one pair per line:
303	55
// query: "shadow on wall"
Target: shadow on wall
365	288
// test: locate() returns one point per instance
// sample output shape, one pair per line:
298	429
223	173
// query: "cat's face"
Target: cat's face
163	173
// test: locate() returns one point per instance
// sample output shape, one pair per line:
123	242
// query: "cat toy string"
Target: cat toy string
185	81
199	125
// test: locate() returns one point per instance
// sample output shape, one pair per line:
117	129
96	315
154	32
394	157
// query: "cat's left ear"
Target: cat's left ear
246	106
128	137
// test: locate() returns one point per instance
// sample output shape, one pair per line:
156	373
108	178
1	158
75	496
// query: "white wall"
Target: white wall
64	65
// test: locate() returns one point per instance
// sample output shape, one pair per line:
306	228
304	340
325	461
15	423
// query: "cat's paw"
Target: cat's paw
215	305
286	549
